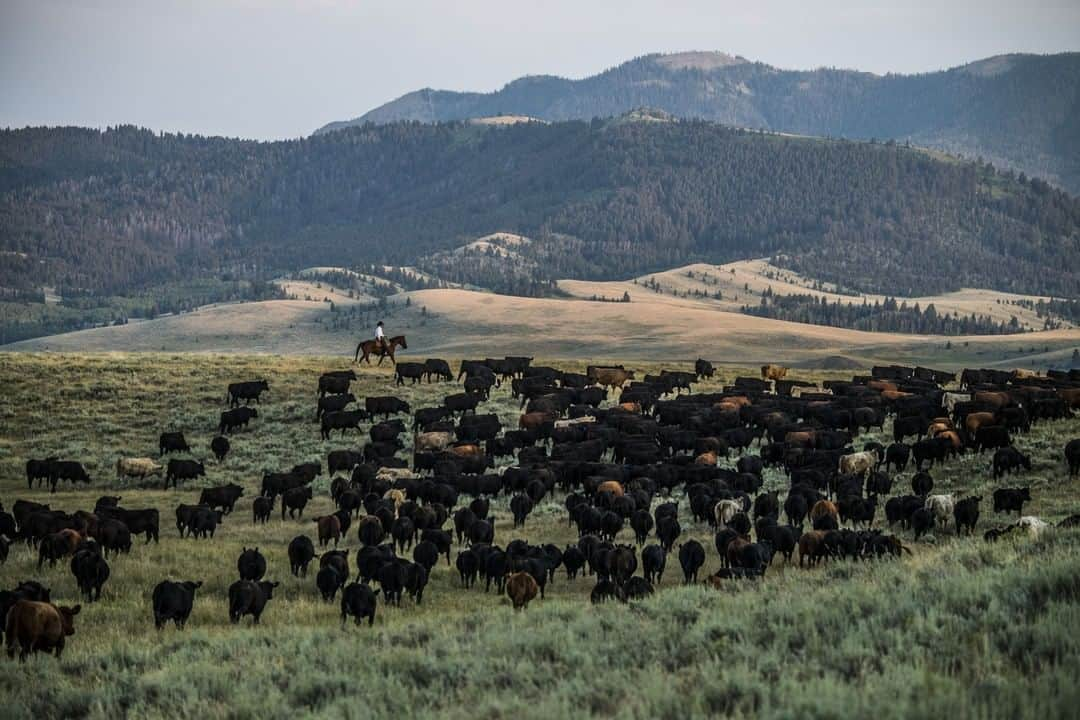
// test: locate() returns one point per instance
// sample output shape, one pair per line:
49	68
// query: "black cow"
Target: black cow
294	501
438	368
691	558
173	601
172	442
335	383
251	564
344	460
204	522
91	571
114	536
139	522
40	470
184	514
246	391
703	369
412	370
68	470
897	455
358	601
386	405
236	418
1009	499
341	420
223	497
333	403
183	470
426	417
1009	460
1072	457
220	447
329	581
249	598
301	553
261	509
461	403
992	436
966	514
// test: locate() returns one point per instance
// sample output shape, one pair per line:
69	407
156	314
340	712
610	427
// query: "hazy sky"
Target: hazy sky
281	68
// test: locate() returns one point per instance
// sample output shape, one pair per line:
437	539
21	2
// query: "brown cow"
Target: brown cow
811	546
1071	396
612	486
534	420
609	377
734	550
707	458
954	439
803	439
822	508
882	385
329	529
631	407
974	421
997	399
522	588
894	395
467	451
39	627
773	372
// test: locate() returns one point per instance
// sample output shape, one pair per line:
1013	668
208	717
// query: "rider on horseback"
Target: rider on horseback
380	338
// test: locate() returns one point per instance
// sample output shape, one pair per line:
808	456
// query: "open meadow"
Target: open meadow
957	628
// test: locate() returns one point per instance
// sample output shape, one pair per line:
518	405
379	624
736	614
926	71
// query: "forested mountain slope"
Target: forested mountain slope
106	211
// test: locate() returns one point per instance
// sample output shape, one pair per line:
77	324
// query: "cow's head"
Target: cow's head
67	618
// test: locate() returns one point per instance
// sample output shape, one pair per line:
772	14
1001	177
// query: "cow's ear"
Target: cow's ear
197	584
75	610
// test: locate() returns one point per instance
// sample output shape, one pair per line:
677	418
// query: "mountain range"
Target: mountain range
1017	111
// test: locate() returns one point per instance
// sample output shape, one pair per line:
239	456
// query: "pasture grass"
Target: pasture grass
960	628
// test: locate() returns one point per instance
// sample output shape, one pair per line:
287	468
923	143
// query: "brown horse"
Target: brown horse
370	347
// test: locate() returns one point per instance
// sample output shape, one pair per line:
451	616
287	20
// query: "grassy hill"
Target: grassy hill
960	627
1018	111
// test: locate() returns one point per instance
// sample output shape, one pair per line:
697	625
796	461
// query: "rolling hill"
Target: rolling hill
1018	111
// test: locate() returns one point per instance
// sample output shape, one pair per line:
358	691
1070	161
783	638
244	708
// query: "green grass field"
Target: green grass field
960	628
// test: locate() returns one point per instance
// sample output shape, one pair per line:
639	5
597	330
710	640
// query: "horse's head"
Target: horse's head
400	339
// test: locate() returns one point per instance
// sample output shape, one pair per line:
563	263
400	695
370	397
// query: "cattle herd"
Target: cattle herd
630	471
